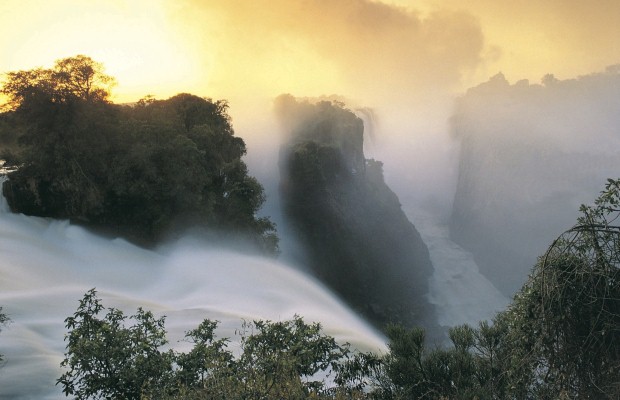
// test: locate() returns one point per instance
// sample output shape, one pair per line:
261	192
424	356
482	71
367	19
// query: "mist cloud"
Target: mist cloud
530	155
357	47
531	38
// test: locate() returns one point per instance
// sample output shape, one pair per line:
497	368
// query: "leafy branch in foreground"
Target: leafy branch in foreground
4	320
109	355
105	359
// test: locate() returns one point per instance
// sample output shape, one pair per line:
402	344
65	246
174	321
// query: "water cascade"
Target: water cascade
46	266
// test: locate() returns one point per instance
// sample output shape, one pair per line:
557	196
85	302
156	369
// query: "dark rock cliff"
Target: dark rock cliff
359	241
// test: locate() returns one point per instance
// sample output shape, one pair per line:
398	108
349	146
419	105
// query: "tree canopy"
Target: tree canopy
71	78
142	171
109	355
564	325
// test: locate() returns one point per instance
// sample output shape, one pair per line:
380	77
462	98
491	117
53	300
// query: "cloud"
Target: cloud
565	37
357	47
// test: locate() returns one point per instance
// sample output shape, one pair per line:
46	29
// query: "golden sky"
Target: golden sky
371	51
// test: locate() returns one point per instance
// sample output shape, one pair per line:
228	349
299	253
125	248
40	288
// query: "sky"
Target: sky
371	51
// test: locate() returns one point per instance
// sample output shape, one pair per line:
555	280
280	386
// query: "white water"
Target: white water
46	267
459	292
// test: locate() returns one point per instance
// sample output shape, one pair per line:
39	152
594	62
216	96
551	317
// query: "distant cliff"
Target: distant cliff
359	241
530	155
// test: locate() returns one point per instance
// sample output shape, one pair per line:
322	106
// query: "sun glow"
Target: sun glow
133	40
371	50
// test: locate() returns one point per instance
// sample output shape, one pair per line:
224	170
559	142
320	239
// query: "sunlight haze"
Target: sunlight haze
358	48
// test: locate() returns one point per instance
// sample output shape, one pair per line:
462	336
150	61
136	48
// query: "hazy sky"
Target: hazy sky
359	48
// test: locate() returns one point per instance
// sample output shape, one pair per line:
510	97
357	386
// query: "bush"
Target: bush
105	359
111	356
564	335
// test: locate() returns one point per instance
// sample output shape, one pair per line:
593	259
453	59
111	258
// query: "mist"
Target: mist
489	179
537	151
530	155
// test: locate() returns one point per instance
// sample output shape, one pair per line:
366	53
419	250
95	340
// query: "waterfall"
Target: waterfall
47	265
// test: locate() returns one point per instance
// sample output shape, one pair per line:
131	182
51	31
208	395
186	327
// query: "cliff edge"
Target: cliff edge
359	241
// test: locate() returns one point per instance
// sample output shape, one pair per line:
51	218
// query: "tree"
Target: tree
208	367
559	339
105	359
111	356
463	371
146	172
280	359
71	78
82	77
564	325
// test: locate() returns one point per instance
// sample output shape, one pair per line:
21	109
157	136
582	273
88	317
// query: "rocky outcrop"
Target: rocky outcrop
358	239
530	156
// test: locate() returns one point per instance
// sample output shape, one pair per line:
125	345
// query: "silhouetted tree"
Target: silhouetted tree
140	171
73	77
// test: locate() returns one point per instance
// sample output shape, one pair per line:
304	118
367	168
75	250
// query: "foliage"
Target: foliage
4	320
71	78
559	339
106	359
468	369
564	331
141	171
279	359
147	169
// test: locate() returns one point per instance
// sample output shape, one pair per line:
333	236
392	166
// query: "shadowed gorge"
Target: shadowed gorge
358	240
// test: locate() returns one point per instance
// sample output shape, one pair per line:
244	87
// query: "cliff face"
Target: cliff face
359	241
530	155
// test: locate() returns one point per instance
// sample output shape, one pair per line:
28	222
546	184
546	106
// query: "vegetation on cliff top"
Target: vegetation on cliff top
142	171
